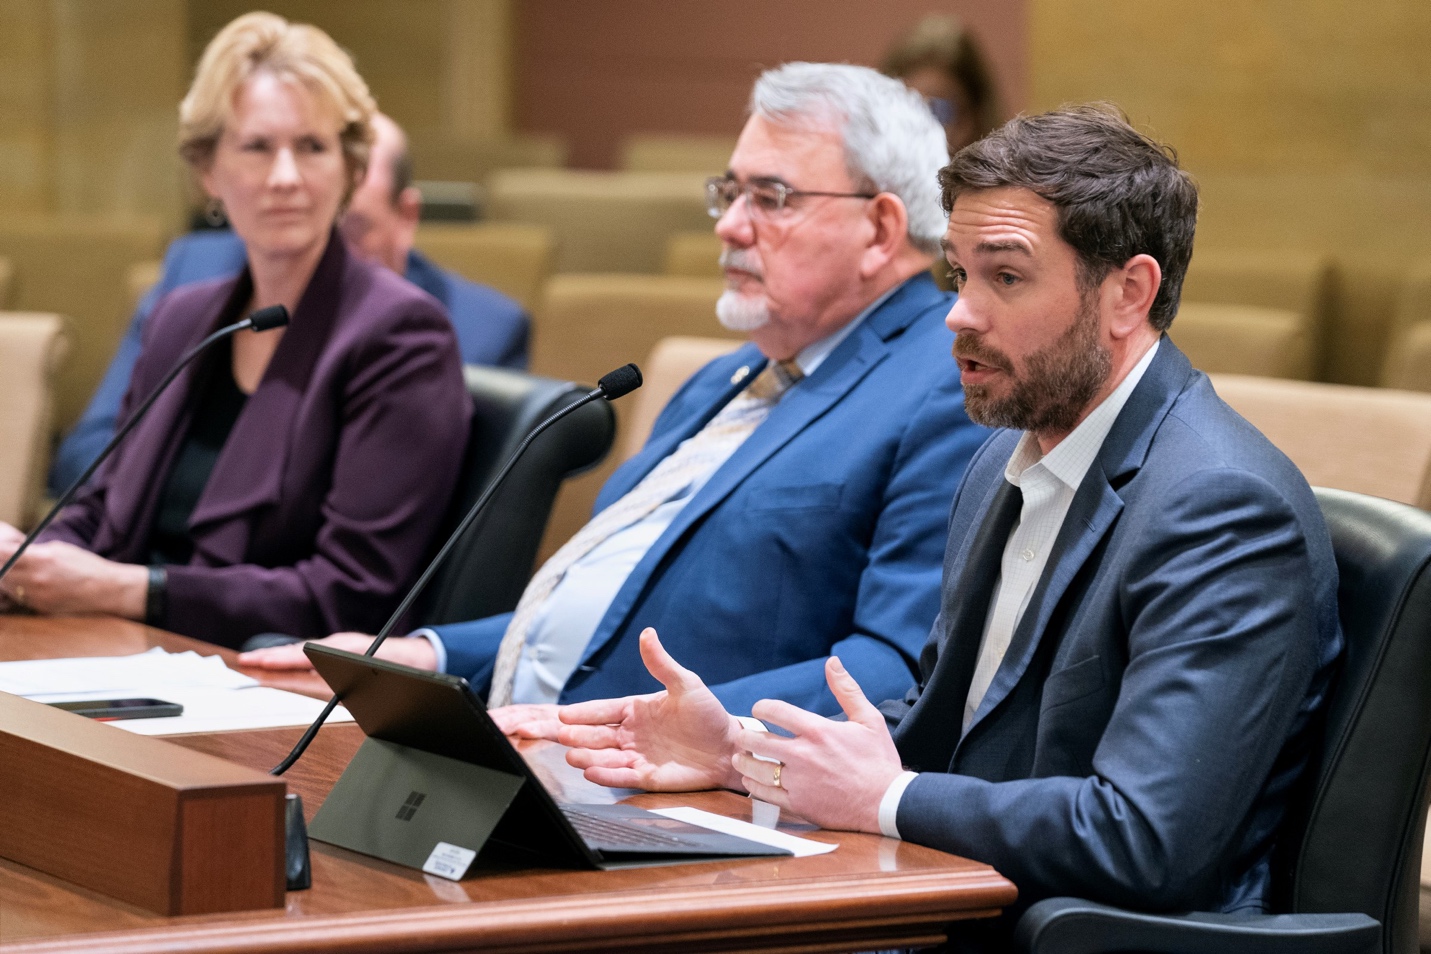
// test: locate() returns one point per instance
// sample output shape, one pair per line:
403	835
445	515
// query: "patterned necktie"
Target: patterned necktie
696	456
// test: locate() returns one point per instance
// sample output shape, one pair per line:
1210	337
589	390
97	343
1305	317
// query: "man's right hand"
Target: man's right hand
677	740
409	651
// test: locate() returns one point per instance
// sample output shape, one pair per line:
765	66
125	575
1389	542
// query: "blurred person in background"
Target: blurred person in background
291	479
380	224
939	59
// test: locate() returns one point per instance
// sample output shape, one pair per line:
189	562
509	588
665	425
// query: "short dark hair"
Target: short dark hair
1117	192
401	171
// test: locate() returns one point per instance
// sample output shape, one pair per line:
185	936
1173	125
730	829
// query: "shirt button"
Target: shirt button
1028	555
544	653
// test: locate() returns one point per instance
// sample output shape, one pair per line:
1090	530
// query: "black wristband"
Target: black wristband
156	602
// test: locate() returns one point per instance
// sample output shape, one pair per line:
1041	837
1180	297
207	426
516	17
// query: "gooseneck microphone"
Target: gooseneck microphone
612	385
274	316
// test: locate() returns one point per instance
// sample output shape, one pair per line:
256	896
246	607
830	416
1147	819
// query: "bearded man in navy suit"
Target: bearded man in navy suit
1138	621
763	530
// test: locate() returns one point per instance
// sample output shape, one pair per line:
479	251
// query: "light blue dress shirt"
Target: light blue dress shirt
566	622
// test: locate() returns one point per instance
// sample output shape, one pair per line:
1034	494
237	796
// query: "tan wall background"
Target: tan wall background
1306	122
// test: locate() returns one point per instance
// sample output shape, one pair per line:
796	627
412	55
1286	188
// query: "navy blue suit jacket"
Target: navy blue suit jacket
822	533
491	329
1156	703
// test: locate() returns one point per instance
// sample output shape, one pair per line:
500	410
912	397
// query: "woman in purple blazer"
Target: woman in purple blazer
293	480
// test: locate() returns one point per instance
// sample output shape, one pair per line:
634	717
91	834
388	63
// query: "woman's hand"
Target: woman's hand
61	578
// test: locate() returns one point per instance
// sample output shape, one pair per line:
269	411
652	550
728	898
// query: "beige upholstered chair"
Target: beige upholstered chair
1368	440
473	158
32	348
669	365
1244	339
7	271
513	258
139	278
1408	361
659	152
588	324
78	268
603	221
1284	279
693	254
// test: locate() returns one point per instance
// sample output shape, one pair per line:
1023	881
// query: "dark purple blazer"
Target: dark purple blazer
326	496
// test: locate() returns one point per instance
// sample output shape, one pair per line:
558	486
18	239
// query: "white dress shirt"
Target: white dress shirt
1048	483
569	618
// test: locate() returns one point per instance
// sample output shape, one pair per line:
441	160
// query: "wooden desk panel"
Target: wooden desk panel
872	892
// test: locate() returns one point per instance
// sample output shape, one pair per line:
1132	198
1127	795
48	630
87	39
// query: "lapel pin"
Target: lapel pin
741	373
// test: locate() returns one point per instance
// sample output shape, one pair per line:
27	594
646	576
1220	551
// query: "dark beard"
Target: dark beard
1056	386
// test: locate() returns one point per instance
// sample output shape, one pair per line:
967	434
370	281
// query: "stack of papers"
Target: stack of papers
215	698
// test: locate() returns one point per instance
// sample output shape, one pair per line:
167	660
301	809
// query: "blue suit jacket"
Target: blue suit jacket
491	329
1138	742
821	534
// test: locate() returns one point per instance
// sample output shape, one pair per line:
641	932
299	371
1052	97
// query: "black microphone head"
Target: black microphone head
274	316
618	383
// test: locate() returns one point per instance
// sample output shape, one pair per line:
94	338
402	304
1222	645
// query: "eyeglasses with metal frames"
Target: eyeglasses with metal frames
764	197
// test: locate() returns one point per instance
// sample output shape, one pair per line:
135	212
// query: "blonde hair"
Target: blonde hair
266	43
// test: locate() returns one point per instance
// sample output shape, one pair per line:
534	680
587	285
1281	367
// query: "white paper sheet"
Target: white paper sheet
215	698
799	847
31	677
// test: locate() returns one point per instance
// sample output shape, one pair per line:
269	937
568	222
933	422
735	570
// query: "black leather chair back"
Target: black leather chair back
488	568
1360	850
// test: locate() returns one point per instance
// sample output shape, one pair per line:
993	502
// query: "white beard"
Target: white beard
742	313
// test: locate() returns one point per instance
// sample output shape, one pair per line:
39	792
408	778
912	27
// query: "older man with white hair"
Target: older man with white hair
792	499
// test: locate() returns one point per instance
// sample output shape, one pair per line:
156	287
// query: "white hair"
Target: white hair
892	141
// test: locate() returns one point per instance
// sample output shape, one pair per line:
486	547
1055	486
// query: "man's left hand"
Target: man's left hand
832	773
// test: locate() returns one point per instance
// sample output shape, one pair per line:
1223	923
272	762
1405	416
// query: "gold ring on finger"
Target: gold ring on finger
775	781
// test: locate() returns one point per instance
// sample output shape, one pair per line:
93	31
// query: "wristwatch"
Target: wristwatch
156	601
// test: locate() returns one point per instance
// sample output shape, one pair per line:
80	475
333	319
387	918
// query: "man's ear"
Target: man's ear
889	233
409	205
1131	291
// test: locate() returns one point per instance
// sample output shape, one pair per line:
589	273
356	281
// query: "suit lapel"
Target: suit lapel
249	471
1091	515
804	404
964	610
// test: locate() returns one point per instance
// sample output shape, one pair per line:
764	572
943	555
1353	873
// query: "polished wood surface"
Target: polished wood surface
171	830
871	892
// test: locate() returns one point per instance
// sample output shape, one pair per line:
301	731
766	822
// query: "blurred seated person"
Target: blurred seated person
940	60
379	224
291	480
792	499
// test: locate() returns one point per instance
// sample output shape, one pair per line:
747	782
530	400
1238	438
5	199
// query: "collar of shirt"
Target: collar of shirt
1070	460
812	356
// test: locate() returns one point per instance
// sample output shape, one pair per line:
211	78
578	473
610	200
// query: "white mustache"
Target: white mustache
741	259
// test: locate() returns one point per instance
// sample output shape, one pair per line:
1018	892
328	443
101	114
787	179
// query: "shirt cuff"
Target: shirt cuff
889	805
439	650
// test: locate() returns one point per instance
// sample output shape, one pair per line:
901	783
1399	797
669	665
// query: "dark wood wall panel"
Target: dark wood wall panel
596	70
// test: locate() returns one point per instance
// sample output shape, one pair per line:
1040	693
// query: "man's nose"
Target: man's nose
735	226
962	317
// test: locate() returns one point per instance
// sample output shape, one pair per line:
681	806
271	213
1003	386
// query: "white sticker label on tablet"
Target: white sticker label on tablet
449	861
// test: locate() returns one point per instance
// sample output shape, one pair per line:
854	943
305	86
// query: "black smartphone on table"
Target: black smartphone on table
107	710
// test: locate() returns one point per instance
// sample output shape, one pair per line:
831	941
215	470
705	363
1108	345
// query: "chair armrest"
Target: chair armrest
1074	926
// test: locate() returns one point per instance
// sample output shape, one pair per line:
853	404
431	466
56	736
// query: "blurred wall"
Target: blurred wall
431	64
87	96
1306	122
600	69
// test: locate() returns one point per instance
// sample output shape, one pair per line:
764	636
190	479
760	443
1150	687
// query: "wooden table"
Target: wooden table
870	893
